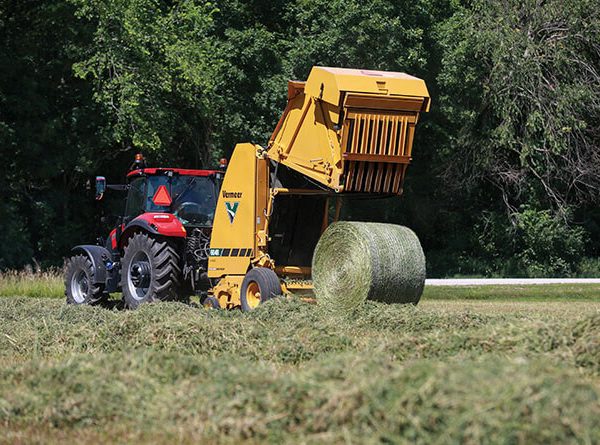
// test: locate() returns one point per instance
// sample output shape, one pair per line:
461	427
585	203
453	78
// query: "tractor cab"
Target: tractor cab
160	248
189	195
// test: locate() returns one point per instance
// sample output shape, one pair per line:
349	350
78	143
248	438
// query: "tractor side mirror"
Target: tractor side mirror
100	187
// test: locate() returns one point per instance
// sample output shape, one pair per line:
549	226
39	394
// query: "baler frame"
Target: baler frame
346	132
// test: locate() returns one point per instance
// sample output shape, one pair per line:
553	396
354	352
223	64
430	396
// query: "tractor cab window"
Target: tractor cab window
154	182
135	198
194	200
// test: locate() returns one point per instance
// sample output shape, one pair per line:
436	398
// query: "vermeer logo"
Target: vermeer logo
232	194
232	209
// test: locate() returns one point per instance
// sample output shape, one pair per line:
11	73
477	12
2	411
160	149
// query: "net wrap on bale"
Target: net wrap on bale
356	261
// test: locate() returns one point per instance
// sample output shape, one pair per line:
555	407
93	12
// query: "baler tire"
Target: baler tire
211	303
261	280
79	282
152	261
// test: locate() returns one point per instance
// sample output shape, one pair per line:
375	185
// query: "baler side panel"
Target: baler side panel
305	140
261	191
233	239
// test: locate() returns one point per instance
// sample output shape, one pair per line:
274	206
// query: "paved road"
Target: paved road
507	281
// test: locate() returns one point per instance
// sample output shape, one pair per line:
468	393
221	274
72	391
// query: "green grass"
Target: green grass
545	292
444	371
48	284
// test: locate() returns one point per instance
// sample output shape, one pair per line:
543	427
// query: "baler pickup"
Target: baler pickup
351	130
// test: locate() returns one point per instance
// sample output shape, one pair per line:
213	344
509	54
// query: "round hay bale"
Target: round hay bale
356	261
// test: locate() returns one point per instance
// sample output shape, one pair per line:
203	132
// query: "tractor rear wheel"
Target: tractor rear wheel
79	282
150	270
260	284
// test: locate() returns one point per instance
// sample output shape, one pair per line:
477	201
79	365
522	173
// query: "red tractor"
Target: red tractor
159	248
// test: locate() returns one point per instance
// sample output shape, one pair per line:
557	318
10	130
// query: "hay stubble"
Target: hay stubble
289	373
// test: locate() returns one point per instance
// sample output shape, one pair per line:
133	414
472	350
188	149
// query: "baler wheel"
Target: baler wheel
211	303
79	282
150	270
260	284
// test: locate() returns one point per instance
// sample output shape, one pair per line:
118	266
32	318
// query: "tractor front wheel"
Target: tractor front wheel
260	284
150	270
79	282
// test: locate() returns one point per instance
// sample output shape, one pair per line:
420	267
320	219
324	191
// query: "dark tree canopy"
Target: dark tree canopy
506	174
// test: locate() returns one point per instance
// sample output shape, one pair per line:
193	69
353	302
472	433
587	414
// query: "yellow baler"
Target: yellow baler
344	131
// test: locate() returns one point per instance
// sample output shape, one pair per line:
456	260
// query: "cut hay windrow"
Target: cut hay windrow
357	261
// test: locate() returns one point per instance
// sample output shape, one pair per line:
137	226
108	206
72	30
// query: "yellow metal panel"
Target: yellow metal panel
379	111
233	239
227	291
299	288
327	83
306	141
293	270
262	197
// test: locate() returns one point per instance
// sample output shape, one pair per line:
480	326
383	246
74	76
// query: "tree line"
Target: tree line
506	171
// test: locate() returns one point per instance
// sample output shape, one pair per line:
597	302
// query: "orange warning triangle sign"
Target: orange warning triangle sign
162	197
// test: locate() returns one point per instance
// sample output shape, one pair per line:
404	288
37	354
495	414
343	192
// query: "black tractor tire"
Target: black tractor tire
150	270
211	303
260	284
79	282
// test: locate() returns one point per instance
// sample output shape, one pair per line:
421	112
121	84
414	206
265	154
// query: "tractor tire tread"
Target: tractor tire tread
96	295
165	261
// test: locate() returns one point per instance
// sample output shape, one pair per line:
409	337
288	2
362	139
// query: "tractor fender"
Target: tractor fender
164	224
98	255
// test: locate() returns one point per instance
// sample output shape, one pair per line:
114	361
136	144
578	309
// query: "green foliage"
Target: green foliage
589	267
520	83
261	46
535	243
528	243
14	238
515	110
50	133
377	34
546	245
152	69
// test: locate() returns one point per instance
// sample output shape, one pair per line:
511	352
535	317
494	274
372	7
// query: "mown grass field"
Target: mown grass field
505	369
